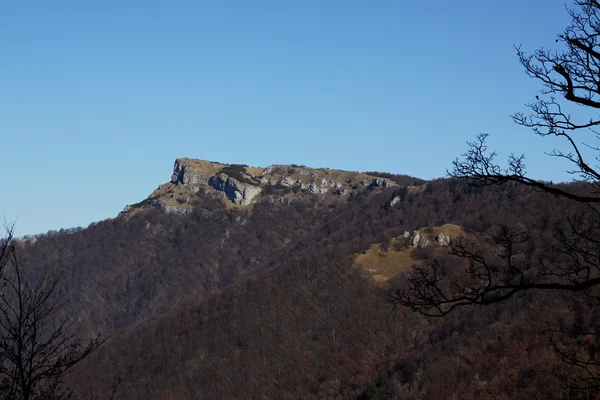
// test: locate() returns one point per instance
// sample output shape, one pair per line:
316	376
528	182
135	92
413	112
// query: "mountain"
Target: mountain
193	236
243	185
232	281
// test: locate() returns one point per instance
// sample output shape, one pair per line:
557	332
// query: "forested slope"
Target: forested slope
267	302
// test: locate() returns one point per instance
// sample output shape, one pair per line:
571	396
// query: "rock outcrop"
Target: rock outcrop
236	191
419	239
243	185
443	240
381	183
185	174
395	201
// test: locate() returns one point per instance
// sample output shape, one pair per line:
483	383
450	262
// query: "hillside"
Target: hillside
238	282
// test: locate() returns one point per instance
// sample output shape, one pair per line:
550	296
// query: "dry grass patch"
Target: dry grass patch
204	169
385	263
170	190
231	205
451	230
170	194
255	171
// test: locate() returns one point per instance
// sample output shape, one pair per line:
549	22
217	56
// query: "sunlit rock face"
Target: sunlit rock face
243	185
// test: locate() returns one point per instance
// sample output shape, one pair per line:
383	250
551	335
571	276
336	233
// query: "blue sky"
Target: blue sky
98	98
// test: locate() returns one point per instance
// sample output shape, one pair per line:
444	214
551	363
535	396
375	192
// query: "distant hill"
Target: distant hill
232	281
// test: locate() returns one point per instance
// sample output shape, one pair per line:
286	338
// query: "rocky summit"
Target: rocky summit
241	185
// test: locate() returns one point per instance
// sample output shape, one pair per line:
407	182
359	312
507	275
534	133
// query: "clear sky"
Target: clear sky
98	98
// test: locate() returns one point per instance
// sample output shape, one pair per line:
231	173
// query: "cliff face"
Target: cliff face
242	185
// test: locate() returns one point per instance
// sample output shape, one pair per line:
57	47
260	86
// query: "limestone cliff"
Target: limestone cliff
243	185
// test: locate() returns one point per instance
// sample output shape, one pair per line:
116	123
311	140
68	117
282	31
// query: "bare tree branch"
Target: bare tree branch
38	346
569	76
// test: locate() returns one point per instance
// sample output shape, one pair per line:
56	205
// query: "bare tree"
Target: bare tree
38	345
568	108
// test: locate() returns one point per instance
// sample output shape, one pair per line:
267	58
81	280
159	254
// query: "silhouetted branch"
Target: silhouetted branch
38	346
573	73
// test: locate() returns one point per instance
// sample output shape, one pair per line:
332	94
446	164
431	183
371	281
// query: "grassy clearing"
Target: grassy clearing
449	230
385	264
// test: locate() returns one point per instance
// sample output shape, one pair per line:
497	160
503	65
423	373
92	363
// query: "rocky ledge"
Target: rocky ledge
243	185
